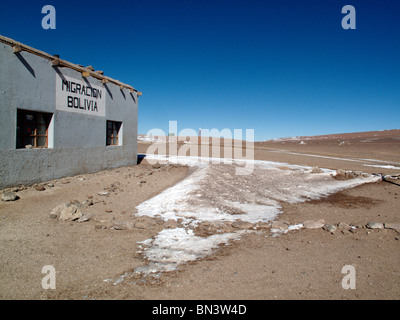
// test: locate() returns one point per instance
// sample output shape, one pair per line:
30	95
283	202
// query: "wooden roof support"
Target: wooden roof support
56	61
17	48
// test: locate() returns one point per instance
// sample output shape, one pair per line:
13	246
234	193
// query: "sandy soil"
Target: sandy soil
302	264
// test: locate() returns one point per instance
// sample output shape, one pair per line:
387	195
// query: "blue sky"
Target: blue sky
283	68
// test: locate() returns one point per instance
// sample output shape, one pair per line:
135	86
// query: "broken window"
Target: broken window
32	129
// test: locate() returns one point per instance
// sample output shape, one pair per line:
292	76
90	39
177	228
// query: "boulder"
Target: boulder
9	196
170	224
394	226
55	213
280	224
343	226
316	170
124	225
40	188
374	225
144	222
103	193
329	227
70	213
314	224
263	225
239	224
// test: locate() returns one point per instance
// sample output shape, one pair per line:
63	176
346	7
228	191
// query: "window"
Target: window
113	133
32	129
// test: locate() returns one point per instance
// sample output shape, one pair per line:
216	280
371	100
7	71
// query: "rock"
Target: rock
343	226
88	202
171	224
70	213
76	203
141	225
84	218
124	225
263	225
353	229
314	224
9	196
40	188
329	227
316	170
340	173
105	219
281	225
55	213
144	223
103	193
374	225
239	224
66	212
394	226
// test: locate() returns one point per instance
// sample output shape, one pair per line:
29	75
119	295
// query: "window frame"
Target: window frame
39	119
113	133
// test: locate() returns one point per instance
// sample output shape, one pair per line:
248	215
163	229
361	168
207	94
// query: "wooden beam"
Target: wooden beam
17	48
55	62
139	93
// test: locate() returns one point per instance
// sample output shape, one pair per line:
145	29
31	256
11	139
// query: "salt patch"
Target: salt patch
172	247
214	193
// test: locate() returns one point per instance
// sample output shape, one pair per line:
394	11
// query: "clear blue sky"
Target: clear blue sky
283	68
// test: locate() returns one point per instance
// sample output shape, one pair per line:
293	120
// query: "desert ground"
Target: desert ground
97	251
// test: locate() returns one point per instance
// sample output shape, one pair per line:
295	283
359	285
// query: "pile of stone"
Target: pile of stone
343	227
342	174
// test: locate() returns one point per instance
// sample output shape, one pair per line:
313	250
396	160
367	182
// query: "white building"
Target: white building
60	119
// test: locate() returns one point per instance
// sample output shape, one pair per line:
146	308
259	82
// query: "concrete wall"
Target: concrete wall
77	142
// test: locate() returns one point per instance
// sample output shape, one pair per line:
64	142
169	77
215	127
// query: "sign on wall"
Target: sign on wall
75	95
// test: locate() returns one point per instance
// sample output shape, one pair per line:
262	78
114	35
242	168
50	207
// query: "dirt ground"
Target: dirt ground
302	264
